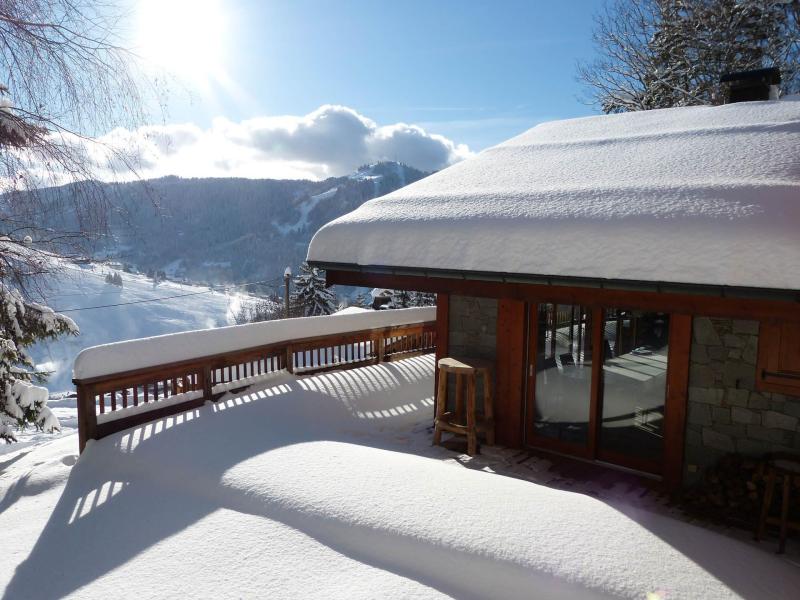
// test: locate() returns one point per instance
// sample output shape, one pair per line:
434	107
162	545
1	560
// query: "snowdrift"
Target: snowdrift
315	487
149	352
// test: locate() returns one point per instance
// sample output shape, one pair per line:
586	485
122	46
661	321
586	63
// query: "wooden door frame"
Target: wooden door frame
670	467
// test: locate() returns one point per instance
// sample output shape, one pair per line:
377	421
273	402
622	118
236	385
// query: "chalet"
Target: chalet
634	278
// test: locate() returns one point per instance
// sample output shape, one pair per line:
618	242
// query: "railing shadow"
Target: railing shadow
178	456
132	490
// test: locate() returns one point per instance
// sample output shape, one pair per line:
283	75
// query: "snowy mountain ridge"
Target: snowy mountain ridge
226	230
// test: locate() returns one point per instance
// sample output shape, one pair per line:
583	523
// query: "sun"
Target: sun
185	37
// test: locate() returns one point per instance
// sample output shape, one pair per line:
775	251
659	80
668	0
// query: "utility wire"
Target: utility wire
161	298
66	310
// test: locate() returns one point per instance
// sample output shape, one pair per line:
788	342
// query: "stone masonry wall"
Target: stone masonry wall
725	412
473	331
473	326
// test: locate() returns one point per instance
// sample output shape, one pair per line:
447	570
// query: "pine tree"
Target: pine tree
23	323
311	297
362	301
423	299
400	299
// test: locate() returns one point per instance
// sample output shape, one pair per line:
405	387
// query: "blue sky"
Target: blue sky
473	71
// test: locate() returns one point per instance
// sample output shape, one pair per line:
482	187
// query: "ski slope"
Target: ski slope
168	308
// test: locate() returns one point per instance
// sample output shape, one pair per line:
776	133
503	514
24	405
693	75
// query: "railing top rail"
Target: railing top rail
191	348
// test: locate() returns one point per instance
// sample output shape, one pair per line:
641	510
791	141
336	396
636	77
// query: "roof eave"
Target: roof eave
721	291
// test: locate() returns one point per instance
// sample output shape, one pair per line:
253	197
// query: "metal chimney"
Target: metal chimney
758	84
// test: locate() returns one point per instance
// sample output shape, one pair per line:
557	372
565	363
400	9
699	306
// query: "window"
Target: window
778	368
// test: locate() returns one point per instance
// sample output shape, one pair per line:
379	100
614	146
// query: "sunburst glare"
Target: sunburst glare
185	37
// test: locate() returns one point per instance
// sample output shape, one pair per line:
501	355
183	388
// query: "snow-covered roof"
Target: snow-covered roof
702	195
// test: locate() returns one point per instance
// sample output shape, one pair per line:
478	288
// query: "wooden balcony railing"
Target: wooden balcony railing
112	402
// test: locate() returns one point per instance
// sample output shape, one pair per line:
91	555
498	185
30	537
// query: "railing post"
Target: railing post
381	347
87	416
208	390
289	358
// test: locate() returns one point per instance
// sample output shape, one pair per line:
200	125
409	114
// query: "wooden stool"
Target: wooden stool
785	468
465	369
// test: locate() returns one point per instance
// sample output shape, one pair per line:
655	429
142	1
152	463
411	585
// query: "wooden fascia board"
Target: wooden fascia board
681	303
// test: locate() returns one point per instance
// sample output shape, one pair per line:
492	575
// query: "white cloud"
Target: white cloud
330	141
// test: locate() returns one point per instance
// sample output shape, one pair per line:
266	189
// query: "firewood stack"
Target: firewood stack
732	491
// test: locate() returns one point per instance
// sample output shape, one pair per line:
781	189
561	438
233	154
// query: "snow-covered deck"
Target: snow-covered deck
328	486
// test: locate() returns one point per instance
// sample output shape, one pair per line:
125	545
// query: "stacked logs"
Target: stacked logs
731	491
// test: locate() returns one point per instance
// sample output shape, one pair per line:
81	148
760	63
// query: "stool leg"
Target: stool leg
787	484
472	433
488	408
768	492
459	398
441	406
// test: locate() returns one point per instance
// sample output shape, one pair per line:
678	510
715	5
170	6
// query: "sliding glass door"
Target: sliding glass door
634	382
561	377
597	383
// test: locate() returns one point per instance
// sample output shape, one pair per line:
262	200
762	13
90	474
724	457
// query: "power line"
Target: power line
66	310
162	298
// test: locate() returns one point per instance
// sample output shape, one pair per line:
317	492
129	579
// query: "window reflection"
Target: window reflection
635	347
563	373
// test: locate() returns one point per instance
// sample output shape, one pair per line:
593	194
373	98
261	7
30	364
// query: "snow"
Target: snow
352	310
305	209
141	353
705	195
85	287
128	411
328	485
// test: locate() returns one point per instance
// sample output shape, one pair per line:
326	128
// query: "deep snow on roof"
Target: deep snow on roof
706	195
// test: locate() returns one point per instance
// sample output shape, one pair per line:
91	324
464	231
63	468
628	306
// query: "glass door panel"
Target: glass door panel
563	374
635	345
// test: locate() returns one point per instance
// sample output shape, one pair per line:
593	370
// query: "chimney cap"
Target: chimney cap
768	76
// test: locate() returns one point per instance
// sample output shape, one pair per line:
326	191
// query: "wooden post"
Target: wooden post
87	417
442	330
207	384
381	347
287	279
289	358
680	346
510	373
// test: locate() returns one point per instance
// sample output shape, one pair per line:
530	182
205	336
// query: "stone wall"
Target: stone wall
473	327
473	331
725	412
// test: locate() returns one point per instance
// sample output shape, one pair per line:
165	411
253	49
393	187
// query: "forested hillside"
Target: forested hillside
221	230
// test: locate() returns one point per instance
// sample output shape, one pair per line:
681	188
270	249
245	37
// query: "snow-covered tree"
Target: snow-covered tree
22	323
114	279
663	53
64	78
310	297
423	299
255	311
362	301
400	299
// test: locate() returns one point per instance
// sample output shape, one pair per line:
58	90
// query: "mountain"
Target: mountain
225	230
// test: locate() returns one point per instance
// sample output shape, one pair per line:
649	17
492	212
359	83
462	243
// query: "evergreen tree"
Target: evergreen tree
664	53
22	324
400	299
423	299
310	296
362	301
